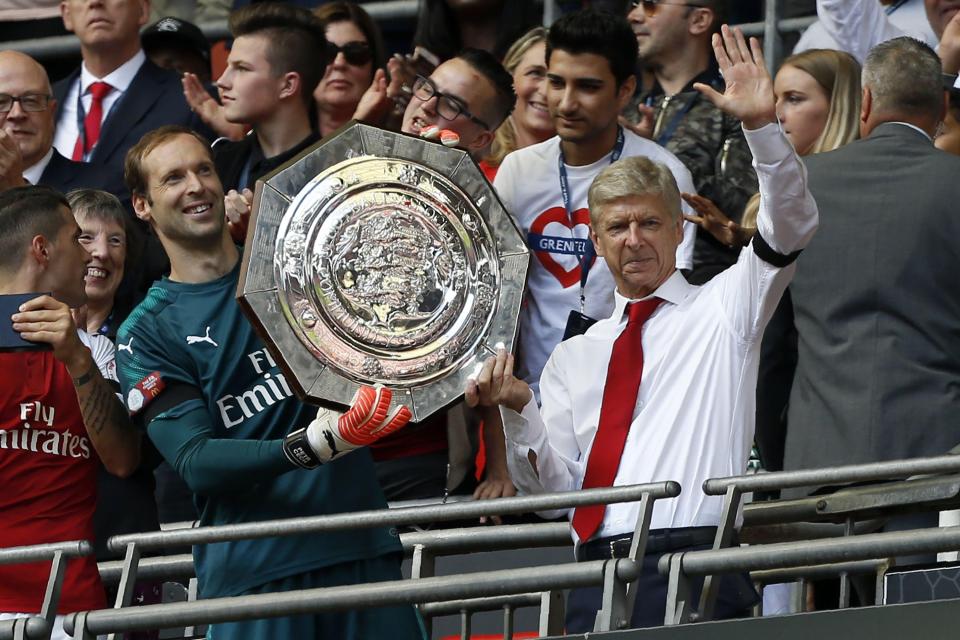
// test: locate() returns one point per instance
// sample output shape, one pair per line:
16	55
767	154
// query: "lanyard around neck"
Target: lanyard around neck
589	253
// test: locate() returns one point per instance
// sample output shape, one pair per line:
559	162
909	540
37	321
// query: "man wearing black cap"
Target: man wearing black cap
172	43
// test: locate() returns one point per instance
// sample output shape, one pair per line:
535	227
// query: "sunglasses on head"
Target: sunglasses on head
650	7
356	53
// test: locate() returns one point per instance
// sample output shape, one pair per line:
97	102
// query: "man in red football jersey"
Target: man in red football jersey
59	413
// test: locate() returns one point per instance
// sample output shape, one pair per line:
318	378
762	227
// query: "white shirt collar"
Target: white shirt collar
674	290
915	128
120	78
33	173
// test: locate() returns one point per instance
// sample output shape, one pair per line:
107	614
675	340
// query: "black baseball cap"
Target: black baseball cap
174	31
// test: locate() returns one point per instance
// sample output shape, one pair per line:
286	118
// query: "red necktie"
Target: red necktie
616	414
91	123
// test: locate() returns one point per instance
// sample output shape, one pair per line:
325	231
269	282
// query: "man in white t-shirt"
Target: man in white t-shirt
590	58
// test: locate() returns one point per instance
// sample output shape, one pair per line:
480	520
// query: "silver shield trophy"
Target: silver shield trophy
377	257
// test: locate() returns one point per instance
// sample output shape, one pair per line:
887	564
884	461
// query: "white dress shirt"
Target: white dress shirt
33	173
120	78
908	18
694	416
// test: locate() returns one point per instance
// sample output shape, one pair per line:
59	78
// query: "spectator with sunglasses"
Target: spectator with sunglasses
355	53
673	39
276	62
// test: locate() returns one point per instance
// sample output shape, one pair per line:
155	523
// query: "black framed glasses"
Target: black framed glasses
448	107
28	102
356	53
650	7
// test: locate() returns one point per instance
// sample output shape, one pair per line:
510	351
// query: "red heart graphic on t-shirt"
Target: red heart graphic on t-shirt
566	277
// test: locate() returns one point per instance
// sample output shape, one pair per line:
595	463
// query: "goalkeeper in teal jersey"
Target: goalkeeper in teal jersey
218	408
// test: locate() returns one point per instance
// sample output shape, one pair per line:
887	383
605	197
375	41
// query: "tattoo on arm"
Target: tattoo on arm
104	416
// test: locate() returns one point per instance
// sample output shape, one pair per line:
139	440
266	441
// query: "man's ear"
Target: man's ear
291	84
40	251
141	207
65	15
144	12
701	21
595	240
625	92
481	142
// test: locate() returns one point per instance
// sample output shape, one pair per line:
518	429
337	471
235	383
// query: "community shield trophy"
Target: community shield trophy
377	257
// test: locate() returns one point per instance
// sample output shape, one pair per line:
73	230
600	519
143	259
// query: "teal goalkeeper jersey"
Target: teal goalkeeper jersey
196	335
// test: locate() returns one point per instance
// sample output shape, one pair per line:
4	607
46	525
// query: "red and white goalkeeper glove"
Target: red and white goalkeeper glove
332	434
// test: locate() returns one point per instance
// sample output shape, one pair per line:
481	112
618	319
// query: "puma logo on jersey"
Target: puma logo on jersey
204	338
126	347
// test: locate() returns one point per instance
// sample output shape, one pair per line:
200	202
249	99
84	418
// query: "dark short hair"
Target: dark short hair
26	212
296	40
133	173
490	68
598	32
340	11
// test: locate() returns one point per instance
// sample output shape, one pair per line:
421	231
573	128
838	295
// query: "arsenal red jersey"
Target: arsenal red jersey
48	471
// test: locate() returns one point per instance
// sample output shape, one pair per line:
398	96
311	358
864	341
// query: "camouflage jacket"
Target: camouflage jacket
711	144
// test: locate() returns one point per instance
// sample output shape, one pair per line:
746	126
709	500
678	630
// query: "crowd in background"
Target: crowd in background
859	361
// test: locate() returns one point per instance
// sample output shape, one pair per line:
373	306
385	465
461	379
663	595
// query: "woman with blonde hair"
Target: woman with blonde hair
530	121
818	105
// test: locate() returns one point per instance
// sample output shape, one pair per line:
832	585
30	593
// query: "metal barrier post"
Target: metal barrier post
193	589
465	621
80	628
728	522
51	597
20	629
552	613
678	592
507	622
772	40
128	580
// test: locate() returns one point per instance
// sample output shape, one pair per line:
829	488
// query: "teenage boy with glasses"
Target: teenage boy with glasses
471	95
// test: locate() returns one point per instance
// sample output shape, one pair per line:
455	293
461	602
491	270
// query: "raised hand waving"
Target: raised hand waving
749	89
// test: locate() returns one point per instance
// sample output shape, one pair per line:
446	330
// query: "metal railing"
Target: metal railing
58	553
133	545
681	566
86	625
735	487
32	628
424	548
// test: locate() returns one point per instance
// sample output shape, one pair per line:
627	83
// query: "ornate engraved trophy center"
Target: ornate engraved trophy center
376	257
393	275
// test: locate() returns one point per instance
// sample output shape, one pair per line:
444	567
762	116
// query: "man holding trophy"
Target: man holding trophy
219	409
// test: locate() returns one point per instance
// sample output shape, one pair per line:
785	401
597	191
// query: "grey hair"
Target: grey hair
97	204
904	76
634	176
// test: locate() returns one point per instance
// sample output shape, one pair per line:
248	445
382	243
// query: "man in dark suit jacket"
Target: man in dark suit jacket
876	298
141	98
27	125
